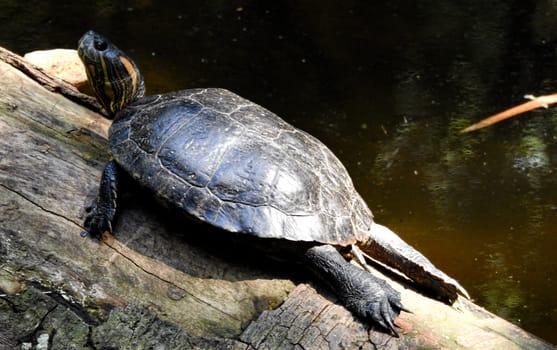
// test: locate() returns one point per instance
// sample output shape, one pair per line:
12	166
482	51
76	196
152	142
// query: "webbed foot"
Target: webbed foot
366	296
100	214
97	221
374	299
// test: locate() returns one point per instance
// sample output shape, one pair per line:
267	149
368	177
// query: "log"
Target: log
161	281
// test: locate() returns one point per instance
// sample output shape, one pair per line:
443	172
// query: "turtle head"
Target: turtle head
111	73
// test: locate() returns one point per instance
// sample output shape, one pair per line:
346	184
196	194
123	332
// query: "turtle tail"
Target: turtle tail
384	246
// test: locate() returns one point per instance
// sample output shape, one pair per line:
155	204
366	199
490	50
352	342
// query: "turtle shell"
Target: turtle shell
235	165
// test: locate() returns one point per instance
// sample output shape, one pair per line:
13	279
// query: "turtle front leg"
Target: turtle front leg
365	295
101	212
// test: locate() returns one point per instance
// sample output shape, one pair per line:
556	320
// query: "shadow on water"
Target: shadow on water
387	86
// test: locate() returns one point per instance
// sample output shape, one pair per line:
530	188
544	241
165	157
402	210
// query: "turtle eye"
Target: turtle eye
100	44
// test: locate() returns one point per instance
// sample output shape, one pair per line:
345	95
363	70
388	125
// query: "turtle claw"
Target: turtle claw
378	302
97	221
382	314
398	305
391	327
386	317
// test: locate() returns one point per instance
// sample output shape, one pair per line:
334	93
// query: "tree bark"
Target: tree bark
161	281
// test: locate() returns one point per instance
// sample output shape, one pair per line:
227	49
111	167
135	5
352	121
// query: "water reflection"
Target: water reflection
388	86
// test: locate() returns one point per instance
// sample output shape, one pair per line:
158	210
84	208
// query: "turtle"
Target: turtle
230	163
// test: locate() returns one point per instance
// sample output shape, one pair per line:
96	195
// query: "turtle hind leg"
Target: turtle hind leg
384	246
100	214
366	296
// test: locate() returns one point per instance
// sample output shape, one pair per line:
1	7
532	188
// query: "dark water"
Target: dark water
387	85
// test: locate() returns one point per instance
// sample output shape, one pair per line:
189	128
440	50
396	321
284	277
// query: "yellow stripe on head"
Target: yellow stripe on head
129	81
108	88
131	71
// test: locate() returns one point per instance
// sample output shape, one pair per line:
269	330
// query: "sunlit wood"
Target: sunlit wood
534	103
